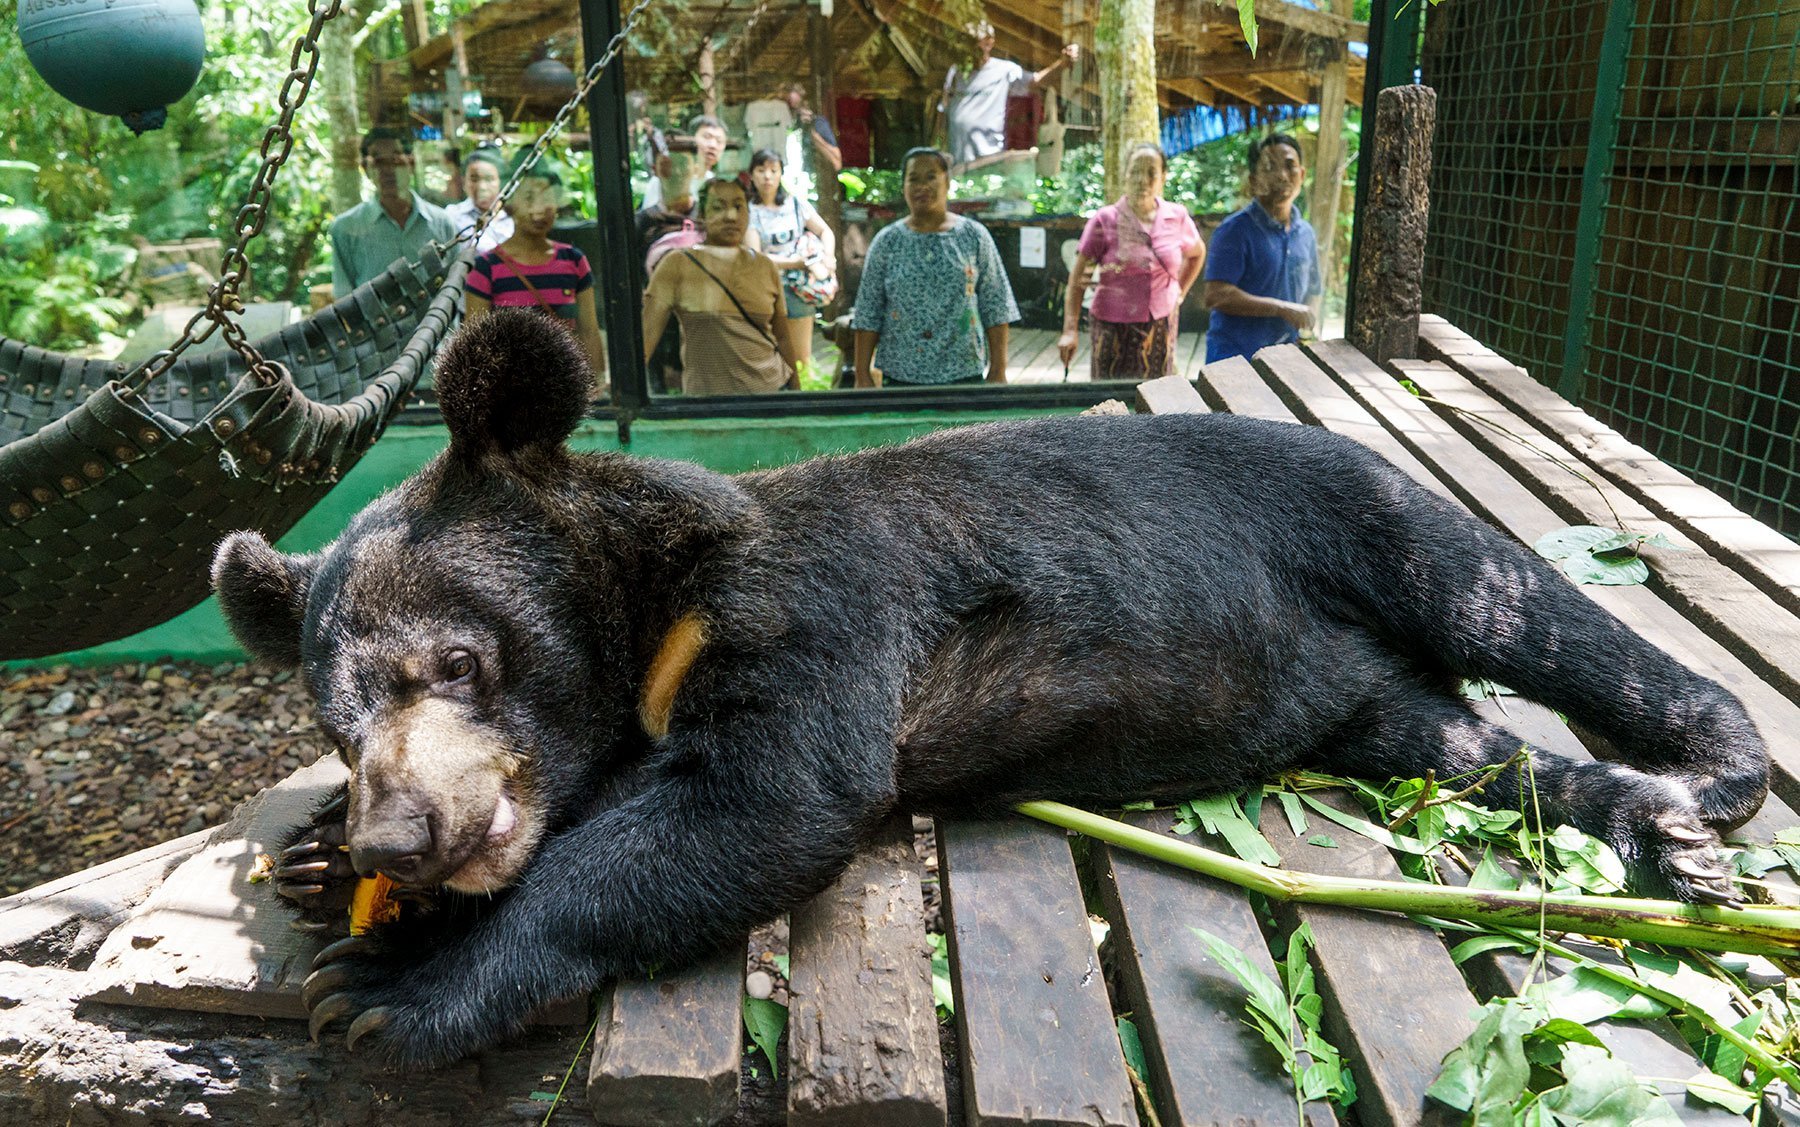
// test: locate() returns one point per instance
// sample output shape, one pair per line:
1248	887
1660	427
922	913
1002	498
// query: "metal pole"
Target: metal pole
619	276
1596	175
1393	61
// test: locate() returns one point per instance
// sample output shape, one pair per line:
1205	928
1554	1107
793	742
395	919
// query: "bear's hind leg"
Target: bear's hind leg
1653	822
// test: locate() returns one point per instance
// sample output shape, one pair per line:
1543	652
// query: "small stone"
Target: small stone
61	704
154	673
758	984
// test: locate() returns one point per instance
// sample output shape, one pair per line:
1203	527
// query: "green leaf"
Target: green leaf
1489	874
1721	1055
1366	828
1585	996
782	963
1132	1047
1487	1073
1587	862
1605	572
1296	815
941	991
1323	841
1561	1029
1469	948
1221	815
1696	988
765	1019
1265	993
1576	539
1247	21
1715	1089
1600	1091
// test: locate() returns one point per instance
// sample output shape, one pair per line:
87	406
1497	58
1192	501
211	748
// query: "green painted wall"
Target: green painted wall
726	445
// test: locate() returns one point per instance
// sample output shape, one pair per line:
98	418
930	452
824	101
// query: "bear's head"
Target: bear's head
474	639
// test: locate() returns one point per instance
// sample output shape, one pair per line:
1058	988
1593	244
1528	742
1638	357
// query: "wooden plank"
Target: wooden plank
1717	599
666	1050
1206	1064
1390	270
67	919
1034	1025
1503	501
1761	554
1237	388
1169	395
862	1023
208	939
1394	1002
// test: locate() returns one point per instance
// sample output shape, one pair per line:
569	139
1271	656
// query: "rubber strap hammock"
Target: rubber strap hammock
115	486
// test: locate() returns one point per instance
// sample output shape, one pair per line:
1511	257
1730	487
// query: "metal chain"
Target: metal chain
530	159
223	302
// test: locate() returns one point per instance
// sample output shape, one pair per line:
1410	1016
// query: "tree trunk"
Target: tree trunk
1125	48
337	78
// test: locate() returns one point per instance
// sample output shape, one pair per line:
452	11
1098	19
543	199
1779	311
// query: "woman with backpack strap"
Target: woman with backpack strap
780	223
728	301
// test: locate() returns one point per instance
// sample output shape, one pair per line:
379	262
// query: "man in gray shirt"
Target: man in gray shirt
975	99
396	224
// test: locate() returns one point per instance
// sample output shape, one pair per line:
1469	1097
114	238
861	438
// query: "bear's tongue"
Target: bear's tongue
505	817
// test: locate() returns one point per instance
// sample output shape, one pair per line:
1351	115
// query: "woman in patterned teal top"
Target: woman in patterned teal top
934	302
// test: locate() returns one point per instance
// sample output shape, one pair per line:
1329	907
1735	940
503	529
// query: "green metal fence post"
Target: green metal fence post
1596	181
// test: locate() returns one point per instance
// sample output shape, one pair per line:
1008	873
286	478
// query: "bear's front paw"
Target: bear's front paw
402	1009
314	871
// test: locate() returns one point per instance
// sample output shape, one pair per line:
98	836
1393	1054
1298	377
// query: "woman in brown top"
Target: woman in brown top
727	297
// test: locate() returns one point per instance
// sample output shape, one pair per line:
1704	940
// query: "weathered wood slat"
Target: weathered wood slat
66	920
1168	395
208	939
1237	388
862	1024
666	1050
1034	1024
1394	1002
1726	605
1207	1065
1505	502
1760	553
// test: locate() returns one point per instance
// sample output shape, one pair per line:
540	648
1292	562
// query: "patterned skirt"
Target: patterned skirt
1125	350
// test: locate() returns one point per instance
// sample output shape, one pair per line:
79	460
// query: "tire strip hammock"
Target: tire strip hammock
115	488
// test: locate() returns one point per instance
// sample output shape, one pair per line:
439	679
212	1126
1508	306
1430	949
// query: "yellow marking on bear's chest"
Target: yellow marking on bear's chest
674	657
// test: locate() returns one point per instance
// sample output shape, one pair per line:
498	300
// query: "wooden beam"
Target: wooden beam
1329	162
1307	20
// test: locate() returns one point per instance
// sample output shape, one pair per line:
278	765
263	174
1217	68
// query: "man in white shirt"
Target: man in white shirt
975	100
482	175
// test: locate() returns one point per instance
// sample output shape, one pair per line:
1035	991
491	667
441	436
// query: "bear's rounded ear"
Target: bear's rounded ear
512	380
263	593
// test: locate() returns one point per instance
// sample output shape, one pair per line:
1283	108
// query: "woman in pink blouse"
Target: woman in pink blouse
1141	254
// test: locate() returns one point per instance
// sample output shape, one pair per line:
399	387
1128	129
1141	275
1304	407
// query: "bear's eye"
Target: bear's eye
459	666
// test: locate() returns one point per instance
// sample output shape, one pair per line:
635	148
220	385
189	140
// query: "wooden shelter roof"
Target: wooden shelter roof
885	48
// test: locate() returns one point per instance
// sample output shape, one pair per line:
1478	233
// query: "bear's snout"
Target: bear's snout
397	848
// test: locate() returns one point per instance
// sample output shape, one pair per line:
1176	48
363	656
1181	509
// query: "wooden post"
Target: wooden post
1125	48
1391	268
822	93
456	80
415	24
1328	161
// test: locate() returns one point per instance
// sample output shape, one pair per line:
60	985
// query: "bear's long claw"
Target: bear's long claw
304	869
309	926
327	1012
1693	835
338	950
296	891
324	982
1698	869
369	1021
301	849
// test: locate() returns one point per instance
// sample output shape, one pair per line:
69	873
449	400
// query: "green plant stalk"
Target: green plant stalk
1755	930
1763	1058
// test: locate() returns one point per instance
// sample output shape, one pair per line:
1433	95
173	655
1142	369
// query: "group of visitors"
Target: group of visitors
742	266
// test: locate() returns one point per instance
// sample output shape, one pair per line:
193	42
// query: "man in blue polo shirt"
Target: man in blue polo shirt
1262	265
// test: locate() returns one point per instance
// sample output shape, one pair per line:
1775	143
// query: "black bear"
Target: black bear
626	709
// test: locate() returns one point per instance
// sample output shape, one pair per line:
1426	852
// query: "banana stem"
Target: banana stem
1751	930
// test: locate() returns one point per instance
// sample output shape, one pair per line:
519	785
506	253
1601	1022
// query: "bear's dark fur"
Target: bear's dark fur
1088	609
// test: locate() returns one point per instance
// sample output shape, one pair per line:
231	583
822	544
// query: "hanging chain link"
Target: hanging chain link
530	159
223	304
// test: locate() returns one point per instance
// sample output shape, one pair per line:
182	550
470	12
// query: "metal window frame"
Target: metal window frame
620	295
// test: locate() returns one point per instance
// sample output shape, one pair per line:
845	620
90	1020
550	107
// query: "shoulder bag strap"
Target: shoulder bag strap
738	305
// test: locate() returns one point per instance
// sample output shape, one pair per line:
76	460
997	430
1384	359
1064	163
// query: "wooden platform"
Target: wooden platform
1035	1036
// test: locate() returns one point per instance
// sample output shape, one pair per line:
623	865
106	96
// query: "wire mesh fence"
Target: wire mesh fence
1616	207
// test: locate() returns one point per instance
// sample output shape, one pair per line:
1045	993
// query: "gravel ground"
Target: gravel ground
95	763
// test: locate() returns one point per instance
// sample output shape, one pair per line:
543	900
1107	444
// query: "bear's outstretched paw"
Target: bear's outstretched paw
1688	858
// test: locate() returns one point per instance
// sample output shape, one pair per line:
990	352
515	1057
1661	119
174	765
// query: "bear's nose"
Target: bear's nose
397	849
